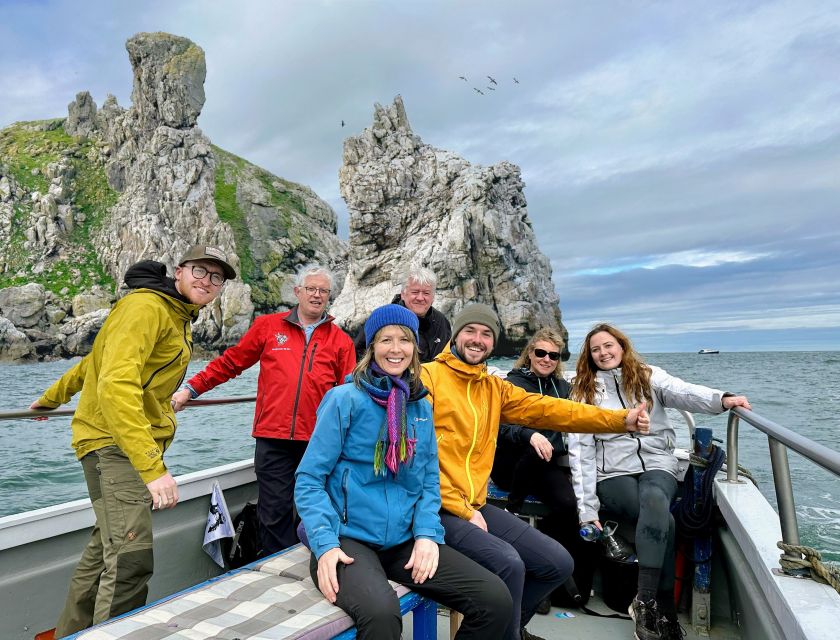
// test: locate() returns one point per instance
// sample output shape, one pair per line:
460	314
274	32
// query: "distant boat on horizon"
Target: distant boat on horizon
705	352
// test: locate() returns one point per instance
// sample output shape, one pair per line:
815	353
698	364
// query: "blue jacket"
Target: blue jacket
336	491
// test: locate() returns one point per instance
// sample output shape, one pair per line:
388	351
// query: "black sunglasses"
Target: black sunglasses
542	353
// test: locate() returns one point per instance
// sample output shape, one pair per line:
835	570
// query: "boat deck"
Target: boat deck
572	624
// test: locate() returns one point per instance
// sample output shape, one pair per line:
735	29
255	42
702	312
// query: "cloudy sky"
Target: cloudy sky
681	160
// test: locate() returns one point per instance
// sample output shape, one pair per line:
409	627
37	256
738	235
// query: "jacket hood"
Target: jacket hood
463	369
149	274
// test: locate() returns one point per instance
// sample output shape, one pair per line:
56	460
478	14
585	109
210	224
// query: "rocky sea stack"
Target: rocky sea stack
412	203
84	197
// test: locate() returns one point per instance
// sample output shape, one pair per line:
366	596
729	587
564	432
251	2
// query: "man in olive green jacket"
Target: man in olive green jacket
123	424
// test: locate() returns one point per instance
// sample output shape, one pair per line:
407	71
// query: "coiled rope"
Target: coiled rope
820	571
699	461
693	512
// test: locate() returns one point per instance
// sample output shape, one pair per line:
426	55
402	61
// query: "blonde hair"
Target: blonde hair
546	334
365	361
635	374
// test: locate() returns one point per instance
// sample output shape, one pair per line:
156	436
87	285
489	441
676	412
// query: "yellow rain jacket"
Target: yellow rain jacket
138	361
468	404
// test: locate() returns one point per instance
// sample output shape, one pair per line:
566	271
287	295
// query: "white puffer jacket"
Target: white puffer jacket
595	457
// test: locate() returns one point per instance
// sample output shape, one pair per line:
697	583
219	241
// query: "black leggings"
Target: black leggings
459	583
645	499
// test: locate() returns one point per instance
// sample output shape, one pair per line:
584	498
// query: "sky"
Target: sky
681	160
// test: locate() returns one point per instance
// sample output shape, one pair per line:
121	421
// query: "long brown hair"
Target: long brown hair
547	334
635	374
414	383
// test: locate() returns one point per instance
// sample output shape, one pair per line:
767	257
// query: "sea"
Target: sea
797	390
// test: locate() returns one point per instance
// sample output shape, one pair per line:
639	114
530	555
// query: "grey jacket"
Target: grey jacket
595	457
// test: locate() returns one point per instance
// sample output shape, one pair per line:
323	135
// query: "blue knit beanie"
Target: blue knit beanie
390	314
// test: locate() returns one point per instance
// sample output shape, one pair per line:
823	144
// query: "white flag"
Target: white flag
219	525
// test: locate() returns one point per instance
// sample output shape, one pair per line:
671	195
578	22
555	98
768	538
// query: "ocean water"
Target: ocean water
797	390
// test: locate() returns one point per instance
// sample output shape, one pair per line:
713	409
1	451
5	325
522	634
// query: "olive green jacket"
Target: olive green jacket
138	361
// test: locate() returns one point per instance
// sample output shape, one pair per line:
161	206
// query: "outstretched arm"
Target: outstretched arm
65	387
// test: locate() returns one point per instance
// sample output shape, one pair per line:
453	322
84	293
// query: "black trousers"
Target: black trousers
275	463
520	471
531	564
645	499
459	583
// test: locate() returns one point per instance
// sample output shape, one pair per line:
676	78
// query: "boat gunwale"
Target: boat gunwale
803	608
24	528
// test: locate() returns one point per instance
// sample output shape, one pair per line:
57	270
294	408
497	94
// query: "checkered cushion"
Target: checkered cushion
271	599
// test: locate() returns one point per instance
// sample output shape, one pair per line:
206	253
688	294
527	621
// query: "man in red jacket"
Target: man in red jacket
302	355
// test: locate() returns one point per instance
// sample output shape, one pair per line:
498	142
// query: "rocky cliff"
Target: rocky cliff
412	203
84	197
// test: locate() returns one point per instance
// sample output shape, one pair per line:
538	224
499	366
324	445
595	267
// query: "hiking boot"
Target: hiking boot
544	607
524	634
670	629
646	617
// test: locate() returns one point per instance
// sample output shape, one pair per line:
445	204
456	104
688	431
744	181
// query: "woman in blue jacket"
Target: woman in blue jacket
368	494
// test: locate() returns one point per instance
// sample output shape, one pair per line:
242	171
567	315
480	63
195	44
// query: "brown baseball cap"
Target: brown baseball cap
205	252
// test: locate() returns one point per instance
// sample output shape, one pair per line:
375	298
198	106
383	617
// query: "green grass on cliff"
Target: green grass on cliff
29	146
229	211
27	153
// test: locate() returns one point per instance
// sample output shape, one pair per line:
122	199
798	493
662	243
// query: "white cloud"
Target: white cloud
692	258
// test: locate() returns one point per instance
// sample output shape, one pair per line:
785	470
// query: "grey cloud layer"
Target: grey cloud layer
665	137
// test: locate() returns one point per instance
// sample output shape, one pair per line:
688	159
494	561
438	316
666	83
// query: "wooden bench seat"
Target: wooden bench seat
271	599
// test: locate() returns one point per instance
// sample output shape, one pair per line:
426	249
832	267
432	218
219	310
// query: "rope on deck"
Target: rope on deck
702	462
820	571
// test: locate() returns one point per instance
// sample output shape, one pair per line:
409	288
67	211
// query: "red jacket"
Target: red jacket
293	377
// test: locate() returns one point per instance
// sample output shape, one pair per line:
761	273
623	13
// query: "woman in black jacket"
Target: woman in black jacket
536	462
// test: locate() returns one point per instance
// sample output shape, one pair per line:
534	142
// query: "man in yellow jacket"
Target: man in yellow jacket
125	422
468	406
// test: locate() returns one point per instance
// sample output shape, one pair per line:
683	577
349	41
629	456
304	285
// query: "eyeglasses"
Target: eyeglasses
200	272
542	353
313	290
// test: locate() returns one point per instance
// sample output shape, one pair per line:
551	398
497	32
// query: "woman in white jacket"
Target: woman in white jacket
633	477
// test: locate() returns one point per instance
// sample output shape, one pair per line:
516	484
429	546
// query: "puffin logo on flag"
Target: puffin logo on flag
219	525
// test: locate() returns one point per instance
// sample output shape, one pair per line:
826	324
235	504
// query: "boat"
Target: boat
749	596
705	352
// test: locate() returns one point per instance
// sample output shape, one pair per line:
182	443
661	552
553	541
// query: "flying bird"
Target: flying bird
492	80
342	123
515	80
491	88
462	78
478	90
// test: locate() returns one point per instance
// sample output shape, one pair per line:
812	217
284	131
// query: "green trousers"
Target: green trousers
112	576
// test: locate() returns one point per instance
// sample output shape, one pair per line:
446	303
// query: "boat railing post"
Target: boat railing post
784	492
732	448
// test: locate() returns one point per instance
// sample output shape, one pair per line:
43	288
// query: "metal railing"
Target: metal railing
41	414
780	439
